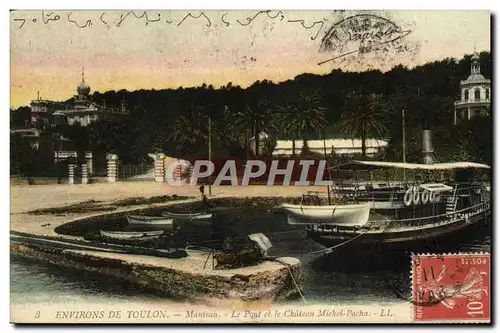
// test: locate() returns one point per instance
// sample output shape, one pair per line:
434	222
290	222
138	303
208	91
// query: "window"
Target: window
477	94
487	93
466	94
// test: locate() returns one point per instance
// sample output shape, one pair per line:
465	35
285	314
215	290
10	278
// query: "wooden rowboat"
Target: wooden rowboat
188	216
152	221
343	215
131	235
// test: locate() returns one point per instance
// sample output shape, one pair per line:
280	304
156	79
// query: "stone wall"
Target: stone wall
275	285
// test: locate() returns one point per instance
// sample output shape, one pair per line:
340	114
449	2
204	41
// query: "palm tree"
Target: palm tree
364	115
188	130
303	116
254	119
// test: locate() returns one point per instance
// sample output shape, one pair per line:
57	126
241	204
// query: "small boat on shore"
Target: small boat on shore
152	221
131	235
188	216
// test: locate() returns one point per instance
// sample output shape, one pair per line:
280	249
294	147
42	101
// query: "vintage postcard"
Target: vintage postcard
260	166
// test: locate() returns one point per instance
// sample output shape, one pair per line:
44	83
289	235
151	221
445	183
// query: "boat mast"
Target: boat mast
404	142
329	175
210	155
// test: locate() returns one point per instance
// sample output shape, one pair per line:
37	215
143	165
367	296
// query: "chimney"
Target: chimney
427	148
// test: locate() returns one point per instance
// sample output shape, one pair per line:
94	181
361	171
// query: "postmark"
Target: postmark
451	287
363	34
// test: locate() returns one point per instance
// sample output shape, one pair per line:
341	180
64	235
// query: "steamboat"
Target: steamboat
438	200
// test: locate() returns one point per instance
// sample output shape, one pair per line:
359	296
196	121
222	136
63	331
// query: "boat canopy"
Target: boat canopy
371	165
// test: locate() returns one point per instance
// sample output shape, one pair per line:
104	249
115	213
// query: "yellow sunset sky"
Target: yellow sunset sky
179	50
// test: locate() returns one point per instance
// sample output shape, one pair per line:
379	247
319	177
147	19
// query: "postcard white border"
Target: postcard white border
216	4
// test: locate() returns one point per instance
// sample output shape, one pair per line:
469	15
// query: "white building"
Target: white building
82	110
337	146
475	94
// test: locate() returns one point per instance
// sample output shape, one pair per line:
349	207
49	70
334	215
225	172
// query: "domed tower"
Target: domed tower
83	88
475	94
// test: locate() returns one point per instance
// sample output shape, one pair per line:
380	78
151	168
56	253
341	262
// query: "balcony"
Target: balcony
473	102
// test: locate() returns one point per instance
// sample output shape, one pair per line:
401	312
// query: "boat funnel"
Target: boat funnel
427	148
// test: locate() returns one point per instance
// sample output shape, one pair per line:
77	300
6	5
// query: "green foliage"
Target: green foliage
364	104
268	145
20	118
364	117
302	116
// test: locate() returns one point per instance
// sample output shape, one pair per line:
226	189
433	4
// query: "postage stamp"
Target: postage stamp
451	287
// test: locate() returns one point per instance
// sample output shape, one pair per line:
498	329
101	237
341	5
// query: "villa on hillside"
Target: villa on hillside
82	110
475	94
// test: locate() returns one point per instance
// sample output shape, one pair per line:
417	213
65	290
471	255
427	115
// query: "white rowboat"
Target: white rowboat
342	215
131	235
188	216
156	221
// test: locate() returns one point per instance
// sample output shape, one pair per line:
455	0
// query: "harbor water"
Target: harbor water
329	279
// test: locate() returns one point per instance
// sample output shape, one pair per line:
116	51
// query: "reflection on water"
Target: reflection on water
337	278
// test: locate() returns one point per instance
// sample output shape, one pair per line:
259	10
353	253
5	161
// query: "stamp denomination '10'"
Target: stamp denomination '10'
451	288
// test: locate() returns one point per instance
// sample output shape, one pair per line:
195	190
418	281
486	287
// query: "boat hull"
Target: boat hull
131	235
150	221
189	216
418	239
342	215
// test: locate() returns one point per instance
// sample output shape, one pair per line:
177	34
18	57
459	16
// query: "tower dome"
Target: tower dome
83	88
475	70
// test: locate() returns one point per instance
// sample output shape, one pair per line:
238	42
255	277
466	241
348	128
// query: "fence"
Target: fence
136	172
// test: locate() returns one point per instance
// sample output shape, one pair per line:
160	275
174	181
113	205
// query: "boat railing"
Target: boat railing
381	195
433	220
455	197
395	192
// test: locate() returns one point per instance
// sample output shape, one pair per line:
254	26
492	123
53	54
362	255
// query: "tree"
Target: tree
303	116
20	117
189	131
268	145
364	115
255	119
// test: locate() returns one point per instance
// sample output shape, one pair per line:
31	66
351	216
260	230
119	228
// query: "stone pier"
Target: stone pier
112	168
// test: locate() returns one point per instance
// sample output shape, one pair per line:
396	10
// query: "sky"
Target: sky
168	49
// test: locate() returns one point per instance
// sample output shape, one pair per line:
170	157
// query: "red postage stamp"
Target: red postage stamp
451	287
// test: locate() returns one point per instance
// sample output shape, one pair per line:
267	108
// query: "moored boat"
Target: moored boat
150	221
188	216
347	215
130	234
408	211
